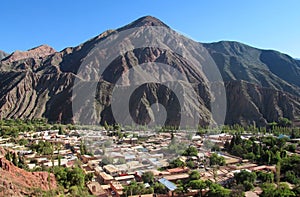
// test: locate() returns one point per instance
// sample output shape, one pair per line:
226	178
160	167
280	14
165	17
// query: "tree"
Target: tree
282	190
135	188
107	160
176	163
148	177
106	127
75	177
215	159
284	122
190	164
248	185
160	188
237	150
44	148
198	184
117	127
61	130
83	150
194	175
23	142
268	190
216	190
291	177
15	159
8	156
191	151
245	175
265	177
181	188
292	148
88	177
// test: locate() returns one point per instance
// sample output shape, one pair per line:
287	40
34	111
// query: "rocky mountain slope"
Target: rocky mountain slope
261	85
2	54
18	182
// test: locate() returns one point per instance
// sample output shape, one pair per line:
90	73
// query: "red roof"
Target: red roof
178	170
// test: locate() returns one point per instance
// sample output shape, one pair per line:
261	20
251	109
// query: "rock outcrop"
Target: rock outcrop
2	54
18	182
35	53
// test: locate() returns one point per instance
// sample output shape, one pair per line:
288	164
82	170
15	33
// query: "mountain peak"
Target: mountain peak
144	21
37	52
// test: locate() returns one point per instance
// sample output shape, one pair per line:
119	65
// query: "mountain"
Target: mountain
261	85
2	54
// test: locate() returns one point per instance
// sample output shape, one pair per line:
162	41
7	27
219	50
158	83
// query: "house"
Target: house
124	179
176	177
96	189
117	188
105	178
111	169
178	170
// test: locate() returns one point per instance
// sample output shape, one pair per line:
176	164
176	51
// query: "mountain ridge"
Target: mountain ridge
264	82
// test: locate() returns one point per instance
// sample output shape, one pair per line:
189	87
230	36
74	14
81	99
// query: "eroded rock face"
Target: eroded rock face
2	54
35	53
18	182
261	85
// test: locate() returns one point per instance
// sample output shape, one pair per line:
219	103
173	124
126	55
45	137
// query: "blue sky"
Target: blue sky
267	24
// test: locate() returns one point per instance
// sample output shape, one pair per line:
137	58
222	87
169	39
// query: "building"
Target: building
105	178
117	188
111	169
96	189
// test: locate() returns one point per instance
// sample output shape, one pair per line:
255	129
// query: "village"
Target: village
115	159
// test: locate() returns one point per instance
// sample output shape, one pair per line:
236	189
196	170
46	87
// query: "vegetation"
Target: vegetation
215	159
135	188
148	177
72	179
282	190
246	179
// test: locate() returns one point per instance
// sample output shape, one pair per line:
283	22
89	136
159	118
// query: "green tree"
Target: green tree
176	163
215	159
282	190
194	175
61	130
8	156
284	122
135	188
88	177
291	177
23	142
245	175
191	164
268	190
265	177
148	177
198	184
191	151
106	127
75	177
15	159
160	188
216	190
